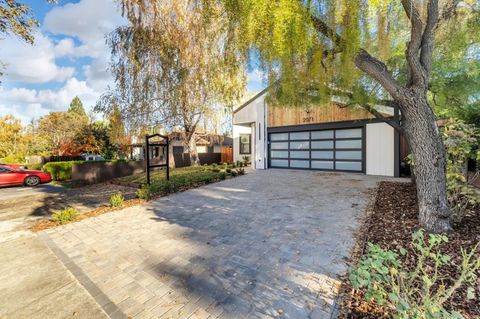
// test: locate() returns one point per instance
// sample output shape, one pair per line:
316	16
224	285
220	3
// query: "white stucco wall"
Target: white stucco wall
251	120
380	149
237	130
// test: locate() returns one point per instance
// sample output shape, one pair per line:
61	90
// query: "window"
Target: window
245	141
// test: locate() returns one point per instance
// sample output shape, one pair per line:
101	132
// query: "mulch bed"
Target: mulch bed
48	223
390	224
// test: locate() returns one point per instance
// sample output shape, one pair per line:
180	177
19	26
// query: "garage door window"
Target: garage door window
337	149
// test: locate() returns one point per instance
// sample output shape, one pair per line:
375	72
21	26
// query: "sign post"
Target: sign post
147	151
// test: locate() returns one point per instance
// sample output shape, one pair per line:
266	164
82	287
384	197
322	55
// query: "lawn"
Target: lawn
180	178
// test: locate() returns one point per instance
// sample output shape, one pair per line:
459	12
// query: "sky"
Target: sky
69	58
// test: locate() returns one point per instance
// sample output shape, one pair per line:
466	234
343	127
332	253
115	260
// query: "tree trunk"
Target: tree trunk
190	143
171	158
429	161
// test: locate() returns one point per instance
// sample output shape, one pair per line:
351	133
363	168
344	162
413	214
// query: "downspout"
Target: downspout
265	139
396	143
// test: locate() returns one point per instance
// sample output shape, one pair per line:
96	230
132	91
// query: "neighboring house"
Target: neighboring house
332	137
207	143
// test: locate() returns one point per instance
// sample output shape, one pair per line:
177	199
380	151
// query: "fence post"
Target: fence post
147	155
168	158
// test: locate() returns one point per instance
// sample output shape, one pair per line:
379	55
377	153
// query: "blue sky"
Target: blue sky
69	58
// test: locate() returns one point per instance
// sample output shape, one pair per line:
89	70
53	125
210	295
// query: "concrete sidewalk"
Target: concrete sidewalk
35	284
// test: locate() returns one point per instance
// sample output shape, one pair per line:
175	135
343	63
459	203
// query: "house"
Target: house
331	137
210	148
207	142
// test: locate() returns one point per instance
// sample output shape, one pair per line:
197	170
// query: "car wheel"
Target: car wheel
32	181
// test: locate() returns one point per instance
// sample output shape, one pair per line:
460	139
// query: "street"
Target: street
14	192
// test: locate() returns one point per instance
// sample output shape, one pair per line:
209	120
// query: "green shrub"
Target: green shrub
234	173
228	170
222	176
241	171
13	159
64	216
420	293
60	171
168	187
461	141
216	170
214	165
116	200
144	192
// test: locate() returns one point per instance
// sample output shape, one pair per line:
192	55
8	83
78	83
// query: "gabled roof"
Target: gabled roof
250	100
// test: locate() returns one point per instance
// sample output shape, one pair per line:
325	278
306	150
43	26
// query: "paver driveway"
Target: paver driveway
268	244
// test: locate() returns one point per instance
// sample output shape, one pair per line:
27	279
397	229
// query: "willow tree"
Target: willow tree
170	68
354	46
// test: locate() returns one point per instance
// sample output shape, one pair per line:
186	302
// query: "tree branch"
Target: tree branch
416	71
428	37
380	116
449	10
363	60
378	71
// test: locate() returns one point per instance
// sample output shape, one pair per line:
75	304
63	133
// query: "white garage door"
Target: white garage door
334	150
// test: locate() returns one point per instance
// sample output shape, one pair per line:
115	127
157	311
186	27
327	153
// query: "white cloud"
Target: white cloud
64	47
32	64
27	104
70	31
88	20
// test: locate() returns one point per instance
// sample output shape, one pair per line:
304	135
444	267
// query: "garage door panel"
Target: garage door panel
322	144
279	137
334	149
349	144
322	164
300	163
322	135
279	163
305	145
349	133
348	166
279	154
299	154
279	146
348	155
322	154
300	136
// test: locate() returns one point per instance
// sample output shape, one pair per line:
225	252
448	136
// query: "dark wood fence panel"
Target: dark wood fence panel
227	154
55	158
92	173
183	159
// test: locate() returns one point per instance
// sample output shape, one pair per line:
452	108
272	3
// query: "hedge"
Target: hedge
62	171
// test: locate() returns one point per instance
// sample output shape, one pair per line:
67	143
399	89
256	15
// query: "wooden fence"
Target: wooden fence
226	155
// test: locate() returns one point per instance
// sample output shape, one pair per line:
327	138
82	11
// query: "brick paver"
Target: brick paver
268	244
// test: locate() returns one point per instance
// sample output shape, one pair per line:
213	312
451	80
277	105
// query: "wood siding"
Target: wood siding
333	112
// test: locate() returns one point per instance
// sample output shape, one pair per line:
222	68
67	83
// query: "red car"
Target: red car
10	176
14	166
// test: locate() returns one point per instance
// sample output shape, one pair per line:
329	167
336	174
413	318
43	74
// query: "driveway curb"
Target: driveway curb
110	308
